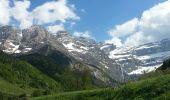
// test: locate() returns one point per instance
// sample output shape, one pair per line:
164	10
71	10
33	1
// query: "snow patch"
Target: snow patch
105	46
72	47
11	48
18	51
142	70
156	55
147	47
27	50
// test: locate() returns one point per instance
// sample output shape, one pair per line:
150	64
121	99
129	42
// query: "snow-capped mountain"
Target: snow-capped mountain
87	51
105	59
142	59
90	52
15	41
10	38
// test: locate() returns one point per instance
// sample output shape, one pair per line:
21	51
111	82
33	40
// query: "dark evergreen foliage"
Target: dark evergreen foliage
166	65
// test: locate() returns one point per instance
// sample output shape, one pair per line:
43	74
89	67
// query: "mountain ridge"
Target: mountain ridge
117	63
35	38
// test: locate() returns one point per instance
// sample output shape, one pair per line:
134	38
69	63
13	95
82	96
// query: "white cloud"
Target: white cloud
50	12
21	14
85	34
53	11
56	28
116	41
124	29
4	12
154	25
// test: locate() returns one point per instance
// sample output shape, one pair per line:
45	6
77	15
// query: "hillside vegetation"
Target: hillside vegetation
151	86
157	88
17	75
39	75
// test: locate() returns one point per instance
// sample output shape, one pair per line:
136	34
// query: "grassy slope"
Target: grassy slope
25	75
17	76
13	91
79	95
7	88
22	74
157	88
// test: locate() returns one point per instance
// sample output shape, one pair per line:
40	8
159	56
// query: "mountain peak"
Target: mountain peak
35	33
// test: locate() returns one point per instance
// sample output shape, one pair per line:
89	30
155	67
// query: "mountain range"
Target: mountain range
108	63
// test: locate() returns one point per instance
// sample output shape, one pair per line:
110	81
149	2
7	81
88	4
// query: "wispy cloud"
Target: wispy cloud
83	10
85	34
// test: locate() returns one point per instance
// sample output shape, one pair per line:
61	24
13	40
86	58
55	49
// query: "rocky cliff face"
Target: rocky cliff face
107	62
87	51
90	52
10	38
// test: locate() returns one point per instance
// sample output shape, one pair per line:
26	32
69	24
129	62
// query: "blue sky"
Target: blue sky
101	15
121	22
